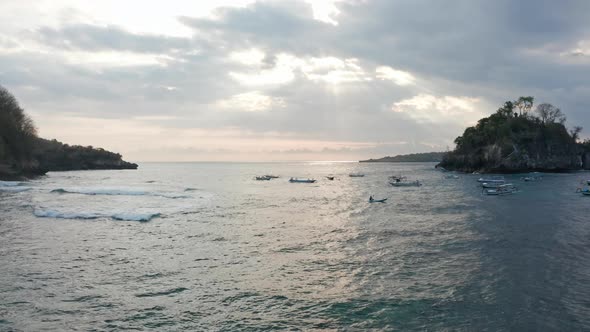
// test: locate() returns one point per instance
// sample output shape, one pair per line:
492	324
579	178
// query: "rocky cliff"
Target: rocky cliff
508	142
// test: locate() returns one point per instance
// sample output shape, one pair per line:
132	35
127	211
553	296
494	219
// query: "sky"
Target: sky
273	80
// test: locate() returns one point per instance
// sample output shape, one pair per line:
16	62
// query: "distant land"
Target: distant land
519	139
23	154
410	158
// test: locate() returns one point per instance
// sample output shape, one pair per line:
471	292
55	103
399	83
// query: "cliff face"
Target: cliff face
56	156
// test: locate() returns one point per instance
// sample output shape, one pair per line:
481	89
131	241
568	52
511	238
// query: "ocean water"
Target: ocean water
204	247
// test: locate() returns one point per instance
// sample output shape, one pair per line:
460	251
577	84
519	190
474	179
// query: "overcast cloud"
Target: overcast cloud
284	80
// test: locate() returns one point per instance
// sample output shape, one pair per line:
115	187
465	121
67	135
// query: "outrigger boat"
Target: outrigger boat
493	179
505	189
406	184
296	180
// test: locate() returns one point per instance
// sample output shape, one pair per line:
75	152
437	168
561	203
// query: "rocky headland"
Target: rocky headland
24	155
519	139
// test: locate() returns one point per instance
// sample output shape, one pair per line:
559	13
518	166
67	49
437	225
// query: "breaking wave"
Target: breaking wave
14	189
115	192
10	183
88	215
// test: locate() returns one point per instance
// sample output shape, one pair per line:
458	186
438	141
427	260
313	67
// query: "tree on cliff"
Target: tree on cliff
17	130
524	104
23	153
550	114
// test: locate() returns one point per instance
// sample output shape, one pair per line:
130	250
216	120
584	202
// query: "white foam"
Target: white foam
44	213
116	192
10	183
135	216
14	189
103	191
64	215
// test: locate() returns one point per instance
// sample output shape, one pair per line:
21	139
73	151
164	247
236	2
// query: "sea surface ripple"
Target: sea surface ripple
203	246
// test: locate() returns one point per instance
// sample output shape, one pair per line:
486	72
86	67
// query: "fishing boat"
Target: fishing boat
372	200
262	178
397	178
493	179
532	178
356	175
406	184
296	180
505	189
493	185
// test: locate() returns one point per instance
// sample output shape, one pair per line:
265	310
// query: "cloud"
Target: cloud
399	77
429	108
356	72
252	101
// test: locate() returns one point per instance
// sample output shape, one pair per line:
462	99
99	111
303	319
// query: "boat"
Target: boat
356	175
493	179
272	176
406	184
586	192
452	177
331	178
262	178
397	178
505	189
371	200
532	178
296	180
493	185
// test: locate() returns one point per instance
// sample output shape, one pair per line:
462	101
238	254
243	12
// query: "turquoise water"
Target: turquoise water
202	246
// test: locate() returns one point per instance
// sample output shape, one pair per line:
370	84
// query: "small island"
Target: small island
23	154
517	139
410	158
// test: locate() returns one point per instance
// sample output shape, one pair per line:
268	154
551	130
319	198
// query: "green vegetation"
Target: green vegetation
408	158
511	141
23	153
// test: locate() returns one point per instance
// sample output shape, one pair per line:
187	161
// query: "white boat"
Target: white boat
356	175
493	179
505	189
493	185
296	180
262	178
406	184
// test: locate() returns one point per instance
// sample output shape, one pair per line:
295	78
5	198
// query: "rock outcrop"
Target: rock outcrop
506	142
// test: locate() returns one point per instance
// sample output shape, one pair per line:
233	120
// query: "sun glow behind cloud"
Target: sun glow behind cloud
323	71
